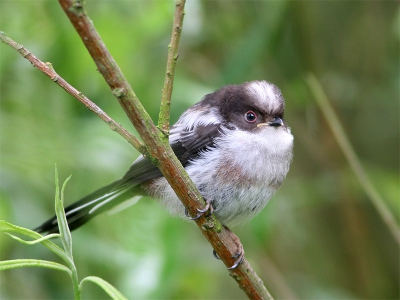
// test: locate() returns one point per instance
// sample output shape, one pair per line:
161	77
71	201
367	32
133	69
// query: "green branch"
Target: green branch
164	116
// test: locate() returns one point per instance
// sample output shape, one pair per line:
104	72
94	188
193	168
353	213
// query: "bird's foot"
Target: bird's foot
208	207
239	256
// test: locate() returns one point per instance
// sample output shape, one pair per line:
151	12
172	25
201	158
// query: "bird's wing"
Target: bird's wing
187	144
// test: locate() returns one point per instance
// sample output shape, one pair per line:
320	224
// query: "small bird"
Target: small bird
235	146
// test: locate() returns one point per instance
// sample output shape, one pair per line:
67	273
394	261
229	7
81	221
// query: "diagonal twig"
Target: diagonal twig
48	70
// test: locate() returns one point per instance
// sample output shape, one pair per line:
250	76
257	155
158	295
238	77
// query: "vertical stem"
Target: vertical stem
75	284
164	115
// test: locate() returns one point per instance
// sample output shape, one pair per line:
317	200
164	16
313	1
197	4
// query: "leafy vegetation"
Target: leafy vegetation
65	253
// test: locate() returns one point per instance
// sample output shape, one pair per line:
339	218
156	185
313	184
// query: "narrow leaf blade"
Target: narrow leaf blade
22	263
107	287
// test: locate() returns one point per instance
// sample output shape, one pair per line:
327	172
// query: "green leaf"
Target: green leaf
65	233
11	228
107	287
8	227
22	263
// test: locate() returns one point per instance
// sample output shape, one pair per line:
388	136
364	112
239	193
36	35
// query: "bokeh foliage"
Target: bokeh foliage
318	238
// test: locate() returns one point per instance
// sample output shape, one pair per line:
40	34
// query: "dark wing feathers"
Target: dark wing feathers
199	139
186	148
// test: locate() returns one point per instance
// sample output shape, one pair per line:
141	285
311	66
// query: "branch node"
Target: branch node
25	53
209	224
78	4
164	130
119	92
77	8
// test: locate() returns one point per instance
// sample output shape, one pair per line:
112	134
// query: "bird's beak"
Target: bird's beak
276	122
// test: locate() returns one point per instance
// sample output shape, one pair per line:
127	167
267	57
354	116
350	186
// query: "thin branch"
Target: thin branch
160	151
355	164
48	70
164	116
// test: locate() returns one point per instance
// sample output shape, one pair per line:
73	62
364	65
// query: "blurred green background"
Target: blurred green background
318	238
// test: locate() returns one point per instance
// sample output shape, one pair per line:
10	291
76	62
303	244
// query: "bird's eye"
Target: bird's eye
250	116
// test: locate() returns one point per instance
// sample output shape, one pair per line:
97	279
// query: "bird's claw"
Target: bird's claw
238	261
216	255
207	207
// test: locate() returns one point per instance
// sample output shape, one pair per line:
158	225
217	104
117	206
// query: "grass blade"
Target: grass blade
355	164
65	233
22	263
107	287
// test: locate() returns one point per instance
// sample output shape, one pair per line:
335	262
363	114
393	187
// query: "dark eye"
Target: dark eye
250	116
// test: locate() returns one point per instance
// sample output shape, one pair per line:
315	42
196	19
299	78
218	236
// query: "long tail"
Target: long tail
90	206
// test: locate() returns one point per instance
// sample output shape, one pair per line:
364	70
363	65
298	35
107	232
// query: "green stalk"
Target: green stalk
348	151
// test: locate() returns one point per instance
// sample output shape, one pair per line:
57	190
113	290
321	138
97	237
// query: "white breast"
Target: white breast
238	176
